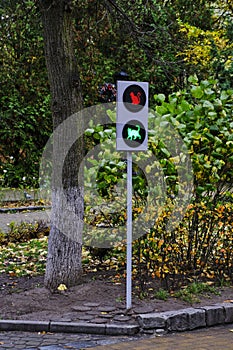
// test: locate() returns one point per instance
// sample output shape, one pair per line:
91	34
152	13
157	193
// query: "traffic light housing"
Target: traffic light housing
132	116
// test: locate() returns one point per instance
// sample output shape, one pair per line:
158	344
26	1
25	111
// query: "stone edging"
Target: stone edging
179	320
187	319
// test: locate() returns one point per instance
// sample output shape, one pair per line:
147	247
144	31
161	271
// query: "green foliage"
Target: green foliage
24	259
25	111
105	180
174	257
201	245
209	51
135	39
23	249
132	38
192	292
23	232
152	41
162	294
203	116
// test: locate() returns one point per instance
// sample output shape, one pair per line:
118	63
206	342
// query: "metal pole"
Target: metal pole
129	233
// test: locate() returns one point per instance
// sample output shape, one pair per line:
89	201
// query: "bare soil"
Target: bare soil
98	294
27	298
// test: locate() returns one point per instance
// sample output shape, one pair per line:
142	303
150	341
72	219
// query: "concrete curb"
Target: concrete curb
68	327
25	208
24	326
178	320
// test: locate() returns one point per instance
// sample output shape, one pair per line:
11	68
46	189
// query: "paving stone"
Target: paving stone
122	318
19	342
32	343
93	312
91	304
103	315
129	312
86	317
106	308
121	312
81	308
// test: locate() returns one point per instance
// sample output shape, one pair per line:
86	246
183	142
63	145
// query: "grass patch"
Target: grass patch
26	258
23	250
192	292
162	294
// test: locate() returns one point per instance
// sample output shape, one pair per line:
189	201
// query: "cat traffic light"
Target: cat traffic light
132	116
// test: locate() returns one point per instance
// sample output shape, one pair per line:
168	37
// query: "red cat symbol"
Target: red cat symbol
135	99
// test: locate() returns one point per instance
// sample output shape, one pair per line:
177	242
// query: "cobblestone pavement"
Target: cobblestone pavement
52	341
214	338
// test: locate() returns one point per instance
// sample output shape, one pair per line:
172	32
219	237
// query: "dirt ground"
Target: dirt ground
27	298
96	298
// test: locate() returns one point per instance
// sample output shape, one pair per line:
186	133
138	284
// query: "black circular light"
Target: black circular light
134	98
133	133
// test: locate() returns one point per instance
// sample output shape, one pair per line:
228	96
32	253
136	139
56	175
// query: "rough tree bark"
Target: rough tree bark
64	252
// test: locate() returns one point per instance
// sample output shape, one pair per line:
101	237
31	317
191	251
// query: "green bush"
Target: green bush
201	245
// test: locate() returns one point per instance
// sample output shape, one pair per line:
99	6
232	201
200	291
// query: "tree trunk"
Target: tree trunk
64	247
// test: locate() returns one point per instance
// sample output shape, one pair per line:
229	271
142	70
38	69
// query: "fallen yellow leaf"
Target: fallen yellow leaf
62	287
